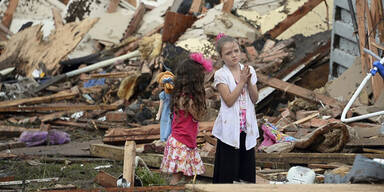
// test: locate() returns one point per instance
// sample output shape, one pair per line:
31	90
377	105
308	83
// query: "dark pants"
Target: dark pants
233	164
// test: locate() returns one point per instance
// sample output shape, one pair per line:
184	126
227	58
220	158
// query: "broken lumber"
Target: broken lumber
148	132
134	24
293	18
310	158
66	94
129	162
8	15
58	107
28	51
106	180
28	181
227	7
299	91
10	131
360	14
57	18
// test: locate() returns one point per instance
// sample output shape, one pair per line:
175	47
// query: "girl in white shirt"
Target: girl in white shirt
236	126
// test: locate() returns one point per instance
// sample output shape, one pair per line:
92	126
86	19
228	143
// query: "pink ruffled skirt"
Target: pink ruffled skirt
180	158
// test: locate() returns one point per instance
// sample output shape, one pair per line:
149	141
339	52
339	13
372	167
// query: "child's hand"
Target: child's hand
245	74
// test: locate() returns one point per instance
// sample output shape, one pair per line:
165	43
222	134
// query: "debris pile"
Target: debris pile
91	82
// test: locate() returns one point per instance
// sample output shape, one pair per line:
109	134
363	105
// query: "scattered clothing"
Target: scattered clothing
51	137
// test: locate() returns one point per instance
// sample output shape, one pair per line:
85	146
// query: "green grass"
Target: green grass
81	175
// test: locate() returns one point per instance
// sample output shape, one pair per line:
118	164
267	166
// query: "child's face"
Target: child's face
230	53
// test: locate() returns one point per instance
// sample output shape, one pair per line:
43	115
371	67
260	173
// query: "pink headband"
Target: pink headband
219	36
199	58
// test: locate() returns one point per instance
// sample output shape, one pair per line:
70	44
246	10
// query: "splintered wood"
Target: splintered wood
30	52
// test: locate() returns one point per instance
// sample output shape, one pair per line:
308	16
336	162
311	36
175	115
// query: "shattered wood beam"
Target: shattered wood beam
298	91
135	21
360	14
67	94
129	162
293	18
59	107
29	51
57	18
113	6
8	15
227	7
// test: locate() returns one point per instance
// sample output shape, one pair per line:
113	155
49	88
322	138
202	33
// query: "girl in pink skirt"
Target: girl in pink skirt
181	156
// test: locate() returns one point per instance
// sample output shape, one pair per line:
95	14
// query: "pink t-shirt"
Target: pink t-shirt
185	128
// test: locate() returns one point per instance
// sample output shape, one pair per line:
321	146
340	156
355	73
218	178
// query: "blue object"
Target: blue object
380	68
94	82
165	120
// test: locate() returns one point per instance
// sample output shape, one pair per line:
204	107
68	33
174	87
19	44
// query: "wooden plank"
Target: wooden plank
366	142
148	132
360	14
377	81
285	188
28	181
66	94
57	18
106	180
373	151
129	162
10	131
293	18
135	21
108	75
107	151
58	107
227	7
298	91
323	166
302	120
8	15
310	158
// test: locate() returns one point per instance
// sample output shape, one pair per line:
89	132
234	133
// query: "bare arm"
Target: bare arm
231	97
252	89
253	92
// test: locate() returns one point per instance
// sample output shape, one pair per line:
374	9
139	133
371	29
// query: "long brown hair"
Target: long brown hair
189	84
